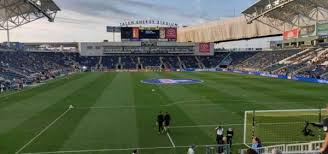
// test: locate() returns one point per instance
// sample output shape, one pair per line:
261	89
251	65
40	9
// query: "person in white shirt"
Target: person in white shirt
191	149
219	134
219	139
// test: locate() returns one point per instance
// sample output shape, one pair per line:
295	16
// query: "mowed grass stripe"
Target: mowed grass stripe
285	87
255	94
57	134
14	114
18	122
114	129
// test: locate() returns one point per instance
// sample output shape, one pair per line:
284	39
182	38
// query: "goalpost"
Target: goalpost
274	127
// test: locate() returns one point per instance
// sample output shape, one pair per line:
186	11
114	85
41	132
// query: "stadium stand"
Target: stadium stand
171	62
110	62
264	59
29	67
189	62
213	61
150	61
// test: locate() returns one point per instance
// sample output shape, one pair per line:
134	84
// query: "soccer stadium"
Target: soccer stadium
252	83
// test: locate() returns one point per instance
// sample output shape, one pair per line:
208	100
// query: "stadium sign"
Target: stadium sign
307	31
148	22
322	29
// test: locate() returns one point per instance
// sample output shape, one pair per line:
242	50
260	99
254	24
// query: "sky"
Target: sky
86	20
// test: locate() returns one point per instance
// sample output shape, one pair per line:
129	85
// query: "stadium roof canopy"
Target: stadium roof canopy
14	13
284	14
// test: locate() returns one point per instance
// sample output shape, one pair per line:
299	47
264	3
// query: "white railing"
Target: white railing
312	146
299	148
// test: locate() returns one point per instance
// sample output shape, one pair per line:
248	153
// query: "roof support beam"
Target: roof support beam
37	7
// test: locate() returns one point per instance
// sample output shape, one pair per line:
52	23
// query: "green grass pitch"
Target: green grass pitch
115	112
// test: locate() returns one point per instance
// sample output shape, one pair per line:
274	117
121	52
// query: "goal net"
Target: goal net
274	127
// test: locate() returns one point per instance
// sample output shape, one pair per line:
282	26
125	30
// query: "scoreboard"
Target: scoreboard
154	33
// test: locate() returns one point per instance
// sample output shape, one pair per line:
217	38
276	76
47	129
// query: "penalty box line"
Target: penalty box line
170	138
44	130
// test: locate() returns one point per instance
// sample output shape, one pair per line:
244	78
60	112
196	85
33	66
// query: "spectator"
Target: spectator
229	136
219	135
191	149
256	144
219	139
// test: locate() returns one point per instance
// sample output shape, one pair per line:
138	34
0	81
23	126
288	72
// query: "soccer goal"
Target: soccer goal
283	126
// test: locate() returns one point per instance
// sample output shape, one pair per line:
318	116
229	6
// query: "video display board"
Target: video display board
127	33
136	33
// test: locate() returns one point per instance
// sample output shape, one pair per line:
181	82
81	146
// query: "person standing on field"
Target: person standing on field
160	122
219	135
219	139
229	136
167	121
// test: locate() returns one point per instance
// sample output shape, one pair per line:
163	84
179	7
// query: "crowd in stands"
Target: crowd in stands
21	68
150	61
171	62
310	63
129	62
264	59
189	61
110	62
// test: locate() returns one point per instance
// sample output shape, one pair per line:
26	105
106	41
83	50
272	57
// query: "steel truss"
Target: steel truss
285	14
15	13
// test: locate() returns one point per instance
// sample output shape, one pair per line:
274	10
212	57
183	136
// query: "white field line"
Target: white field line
169	136
166	105
204	126
123	149
254	102
186	101
44	130
148	148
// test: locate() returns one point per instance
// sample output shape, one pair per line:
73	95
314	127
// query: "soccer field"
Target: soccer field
115	112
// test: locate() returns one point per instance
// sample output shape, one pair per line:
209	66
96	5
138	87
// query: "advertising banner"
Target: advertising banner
205	47
294	33
162	32
112	29
307	31
171	33
135	33
322	29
